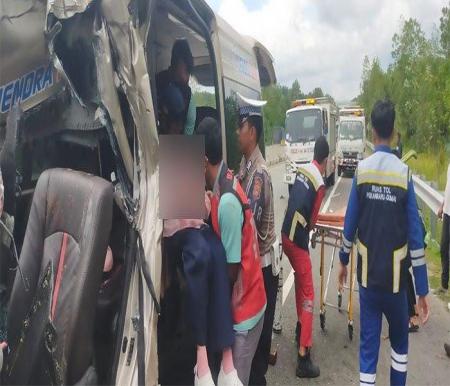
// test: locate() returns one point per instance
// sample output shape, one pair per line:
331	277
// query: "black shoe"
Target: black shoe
305	367
447	349
298	332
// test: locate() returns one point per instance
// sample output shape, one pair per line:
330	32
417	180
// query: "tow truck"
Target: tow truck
307	120
352	138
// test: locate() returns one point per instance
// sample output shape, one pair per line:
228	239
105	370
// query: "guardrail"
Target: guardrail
429	200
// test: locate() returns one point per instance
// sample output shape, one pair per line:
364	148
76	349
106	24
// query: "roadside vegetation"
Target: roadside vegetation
418	82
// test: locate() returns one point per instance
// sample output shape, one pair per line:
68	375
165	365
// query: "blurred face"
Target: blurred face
246	136
181	73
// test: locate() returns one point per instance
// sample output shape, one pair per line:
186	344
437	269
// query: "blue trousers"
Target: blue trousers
208	293
373	304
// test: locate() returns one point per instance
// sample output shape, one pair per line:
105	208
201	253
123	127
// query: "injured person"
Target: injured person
204	267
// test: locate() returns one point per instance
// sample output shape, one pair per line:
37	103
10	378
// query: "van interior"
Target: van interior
92	151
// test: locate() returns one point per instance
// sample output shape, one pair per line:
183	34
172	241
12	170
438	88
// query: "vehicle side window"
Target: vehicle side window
325	121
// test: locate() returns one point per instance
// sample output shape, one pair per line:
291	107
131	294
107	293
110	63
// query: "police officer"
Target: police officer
382	210
255	180
304	203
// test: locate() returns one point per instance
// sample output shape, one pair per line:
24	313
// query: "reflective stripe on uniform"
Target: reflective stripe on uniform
399	361
298	218
367	379
417	253
312	178
398	256
382	178
418	262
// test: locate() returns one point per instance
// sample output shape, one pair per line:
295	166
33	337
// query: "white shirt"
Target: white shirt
447	193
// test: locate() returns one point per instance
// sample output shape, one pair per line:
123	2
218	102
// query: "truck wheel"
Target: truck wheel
289	188
339	171
331	179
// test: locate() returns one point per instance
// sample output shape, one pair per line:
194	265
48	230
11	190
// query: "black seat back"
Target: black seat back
67	233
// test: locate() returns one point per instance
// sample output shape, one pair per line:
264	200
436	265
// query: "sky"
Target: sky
322	43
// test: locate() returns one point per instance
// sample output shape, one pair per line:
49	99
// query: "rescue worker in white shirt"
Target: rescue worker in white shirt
255	180
382	211
444	214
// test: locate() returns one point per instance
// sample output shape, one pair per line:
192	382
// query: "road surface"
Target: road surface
336	355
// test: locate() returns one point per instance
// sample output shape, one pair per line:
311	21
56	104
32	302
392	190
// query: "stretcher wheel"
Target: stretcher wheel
350	331
339	300
313	241
322	321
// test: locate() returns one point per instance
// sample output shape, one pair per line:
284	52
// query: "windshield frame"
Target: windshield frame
315	112
350	125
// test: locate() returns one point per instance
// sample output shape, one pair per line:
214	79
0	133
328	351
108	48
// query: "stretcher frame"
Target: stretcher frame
330	234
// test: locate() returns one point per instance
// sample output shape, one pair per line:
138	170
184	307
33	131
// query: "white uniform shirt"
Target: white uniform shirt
447	193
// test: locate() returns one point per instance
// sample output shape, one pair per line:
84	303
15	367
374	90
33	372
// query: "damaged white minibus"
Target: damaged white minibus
79	164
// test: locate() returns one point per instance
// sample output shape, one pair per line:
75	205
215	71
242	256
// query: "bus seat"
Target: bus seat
51	336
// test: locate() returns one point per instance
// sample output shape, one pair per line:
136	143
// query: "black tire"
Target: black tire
322	321
350	332
339	171
289	188
331	179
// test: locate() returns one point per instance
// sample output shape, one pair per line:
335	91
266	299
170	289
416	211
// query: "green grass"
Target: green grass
432	166
434	269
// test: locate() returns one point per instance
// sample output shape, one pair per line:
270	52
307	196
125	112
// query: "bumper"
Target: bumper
348	163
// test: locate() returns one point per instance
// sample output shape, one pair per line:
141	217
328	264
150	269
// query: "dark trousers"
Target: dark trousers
373	304
260	361
445	240
207	286
411	293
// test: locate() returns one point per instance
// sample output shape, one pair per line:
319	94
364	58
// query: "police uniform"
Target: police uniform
382	211
255	180
304	203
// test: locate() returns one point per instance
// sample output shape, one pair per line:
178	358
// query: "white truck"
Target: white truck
307	120
351	139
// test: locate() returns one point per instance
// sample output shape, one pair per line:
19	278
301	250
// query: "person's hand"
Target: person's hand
424	308
440	211
342	276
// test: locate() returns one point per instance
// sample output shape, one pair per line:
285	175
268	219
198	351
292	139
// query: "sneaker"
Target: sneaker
305	367
447	349
206	380
230	379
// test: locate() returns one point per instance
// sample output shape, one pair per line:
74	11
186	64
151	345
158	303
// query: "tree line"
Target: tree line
417	81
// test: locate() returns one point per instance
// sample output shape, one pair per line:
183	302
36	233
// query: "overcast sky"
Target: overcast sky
323	42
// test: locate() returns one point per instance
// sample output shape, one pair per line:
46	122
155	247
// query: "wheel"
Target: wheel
339	300
322	321
331	179
339	171
289	188
350	331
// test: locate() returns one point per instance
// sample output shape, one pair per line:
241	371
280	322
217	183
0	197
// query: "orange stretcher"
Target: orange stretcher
328	232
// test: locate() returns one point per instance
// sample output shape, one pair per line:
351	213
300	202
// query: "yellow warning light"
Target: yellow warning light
310	101
304	102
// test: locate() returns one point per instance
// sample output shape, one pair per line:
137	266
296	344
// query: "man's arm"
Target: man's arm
231	220
415	242
350	224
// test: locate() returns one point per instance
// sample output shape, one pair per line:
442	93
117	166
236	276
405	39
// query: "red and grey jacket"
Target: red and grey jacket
249	296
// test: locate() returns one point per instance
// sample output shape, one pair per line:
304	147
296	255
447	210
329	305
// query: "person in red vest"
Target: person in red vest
232	220
304	203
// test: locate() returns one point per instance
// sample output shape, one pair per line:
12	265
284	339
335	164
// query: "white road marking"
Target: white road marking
328	201
287	286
